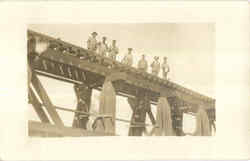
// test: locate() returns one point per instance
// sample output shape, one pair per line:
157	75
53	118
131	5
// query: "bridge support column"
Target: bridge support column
107	109
140	106
83	94
179	124
163	118
177	121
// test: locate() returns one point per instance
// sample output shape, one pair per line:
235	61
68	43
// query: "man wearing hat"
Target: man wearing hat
165	68
155	66
92	42
143	64
113	50
103	47
128	58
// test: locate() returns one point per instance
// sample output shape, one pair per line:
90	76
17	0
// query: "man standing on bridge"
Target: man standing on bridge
156	66
165	68
92	42
128	58
113	50
103	47
143	64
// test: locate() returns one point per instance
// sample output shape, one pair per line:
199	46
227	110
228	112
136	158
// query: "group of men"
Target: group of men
156	66
103	49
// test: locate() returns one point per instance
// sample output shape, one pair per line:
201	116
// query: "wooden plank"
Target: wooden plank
38	107
46	101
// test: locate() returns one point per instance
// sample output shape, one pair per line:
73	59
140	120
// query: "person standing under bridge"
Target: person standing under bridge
165	68
155	66
113	50
128	58
92	42
143	64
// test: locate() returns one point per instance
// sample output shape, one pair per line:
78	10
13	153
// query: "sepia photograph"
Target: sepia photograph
119	80
133	79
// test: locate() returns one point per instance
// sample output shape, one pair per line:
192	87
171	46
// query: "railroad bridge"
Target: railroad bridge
87	70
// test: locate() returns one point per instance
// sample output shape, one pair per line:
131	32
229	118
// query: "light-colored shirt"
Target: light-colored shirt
103	49
156	66
165	67
143	65
92	44
128	59
114	50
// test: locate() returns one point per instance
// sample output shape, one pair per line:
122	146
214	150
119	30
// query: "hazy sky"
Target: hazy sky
189	48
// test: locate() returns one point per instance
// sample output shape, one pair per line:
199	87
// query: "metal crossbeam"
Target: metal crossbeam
48	130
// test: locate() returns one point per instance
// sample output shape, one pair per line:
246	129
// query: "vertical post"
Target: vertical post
83	95
139	107
107	106
179	122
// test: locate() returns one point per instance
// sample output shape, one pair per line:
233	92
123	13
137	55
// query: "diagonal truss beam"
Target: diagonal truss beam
151	116
46	101
38	107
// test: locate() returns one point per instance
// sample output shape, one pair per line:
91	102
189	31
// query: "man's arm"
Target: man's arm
168	69
88	43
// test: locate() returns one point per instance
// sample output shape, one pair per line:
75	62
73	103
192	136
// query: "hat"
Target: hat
104	37
94	33
165	57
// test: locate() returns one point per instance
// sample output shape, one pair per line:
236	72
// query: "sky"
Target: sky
188	46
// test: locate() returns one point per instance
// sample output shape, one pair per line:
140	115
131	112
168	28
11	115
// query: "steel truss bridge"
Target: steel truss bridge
69	63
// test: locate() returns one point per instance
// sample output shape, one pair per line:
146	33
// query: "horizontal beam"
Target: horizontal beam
57	77
49	130
98	115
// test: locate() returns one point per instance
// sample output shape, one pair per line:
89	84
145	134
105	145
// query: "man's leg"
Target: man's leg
165	75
